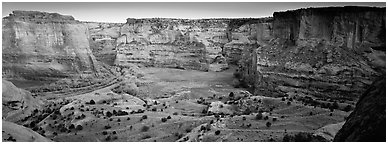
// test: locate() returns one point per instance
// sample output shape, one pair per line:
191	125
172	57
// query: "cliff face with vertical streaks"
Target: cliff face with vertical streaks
332	52
37	45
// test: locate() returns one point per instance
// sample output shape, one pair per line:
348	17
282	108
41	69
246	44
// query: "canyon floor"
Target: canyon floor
180	105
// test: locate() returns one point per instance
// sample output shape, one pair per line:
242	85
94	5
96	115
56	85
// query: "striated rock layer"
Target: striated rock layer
37	45
325	52
203	44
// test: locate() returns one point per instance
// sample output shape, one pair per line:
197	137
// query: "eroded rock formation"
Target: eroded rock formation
330	52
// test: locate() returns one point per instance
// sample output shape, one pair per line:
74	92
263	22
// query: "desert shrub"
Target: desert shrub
71	126
274	119
331	114
175	113
335	105
311	113
259	116
146	137
79	127
107	127
283	99
144	117
266	118
268	124
104	132
109	114
168	117
348	108
164	119
144	128
231	94
217	132
244	118
92	102
221	106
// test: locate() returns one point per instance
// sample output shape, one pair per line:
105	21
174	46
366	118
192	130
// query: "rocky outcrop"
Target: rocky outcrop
17	103
368	120
332	52
37	45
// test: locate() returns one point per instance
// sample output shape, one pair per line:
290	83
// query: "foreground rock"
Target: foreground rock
16	133
367	122
17	103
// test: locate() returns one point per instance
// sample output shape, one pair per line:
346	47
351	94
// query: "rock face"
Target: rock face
367	122
38	45
180	43
332	52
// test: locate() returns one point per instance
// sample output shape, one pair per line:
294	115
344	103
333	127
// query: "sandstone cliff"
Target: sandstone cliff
203	44
37	45
331	52
367	122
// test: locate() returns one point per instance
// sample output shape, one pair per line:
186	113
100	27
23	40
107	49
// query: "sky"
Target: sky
119	11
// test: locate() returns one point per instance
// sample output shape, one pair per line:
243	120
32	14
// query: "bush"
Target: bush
259	116
144	128
266	118
217	132
79	127
104	133
348	108
92	102
175	113
268	124
288	103
71	126
274	119
144	117
168	117
283	99
107	127
231	94
164	119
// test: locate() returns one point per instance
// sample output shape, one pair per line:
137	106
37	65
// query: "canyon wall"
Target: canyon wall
38	45
204	44
330	52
